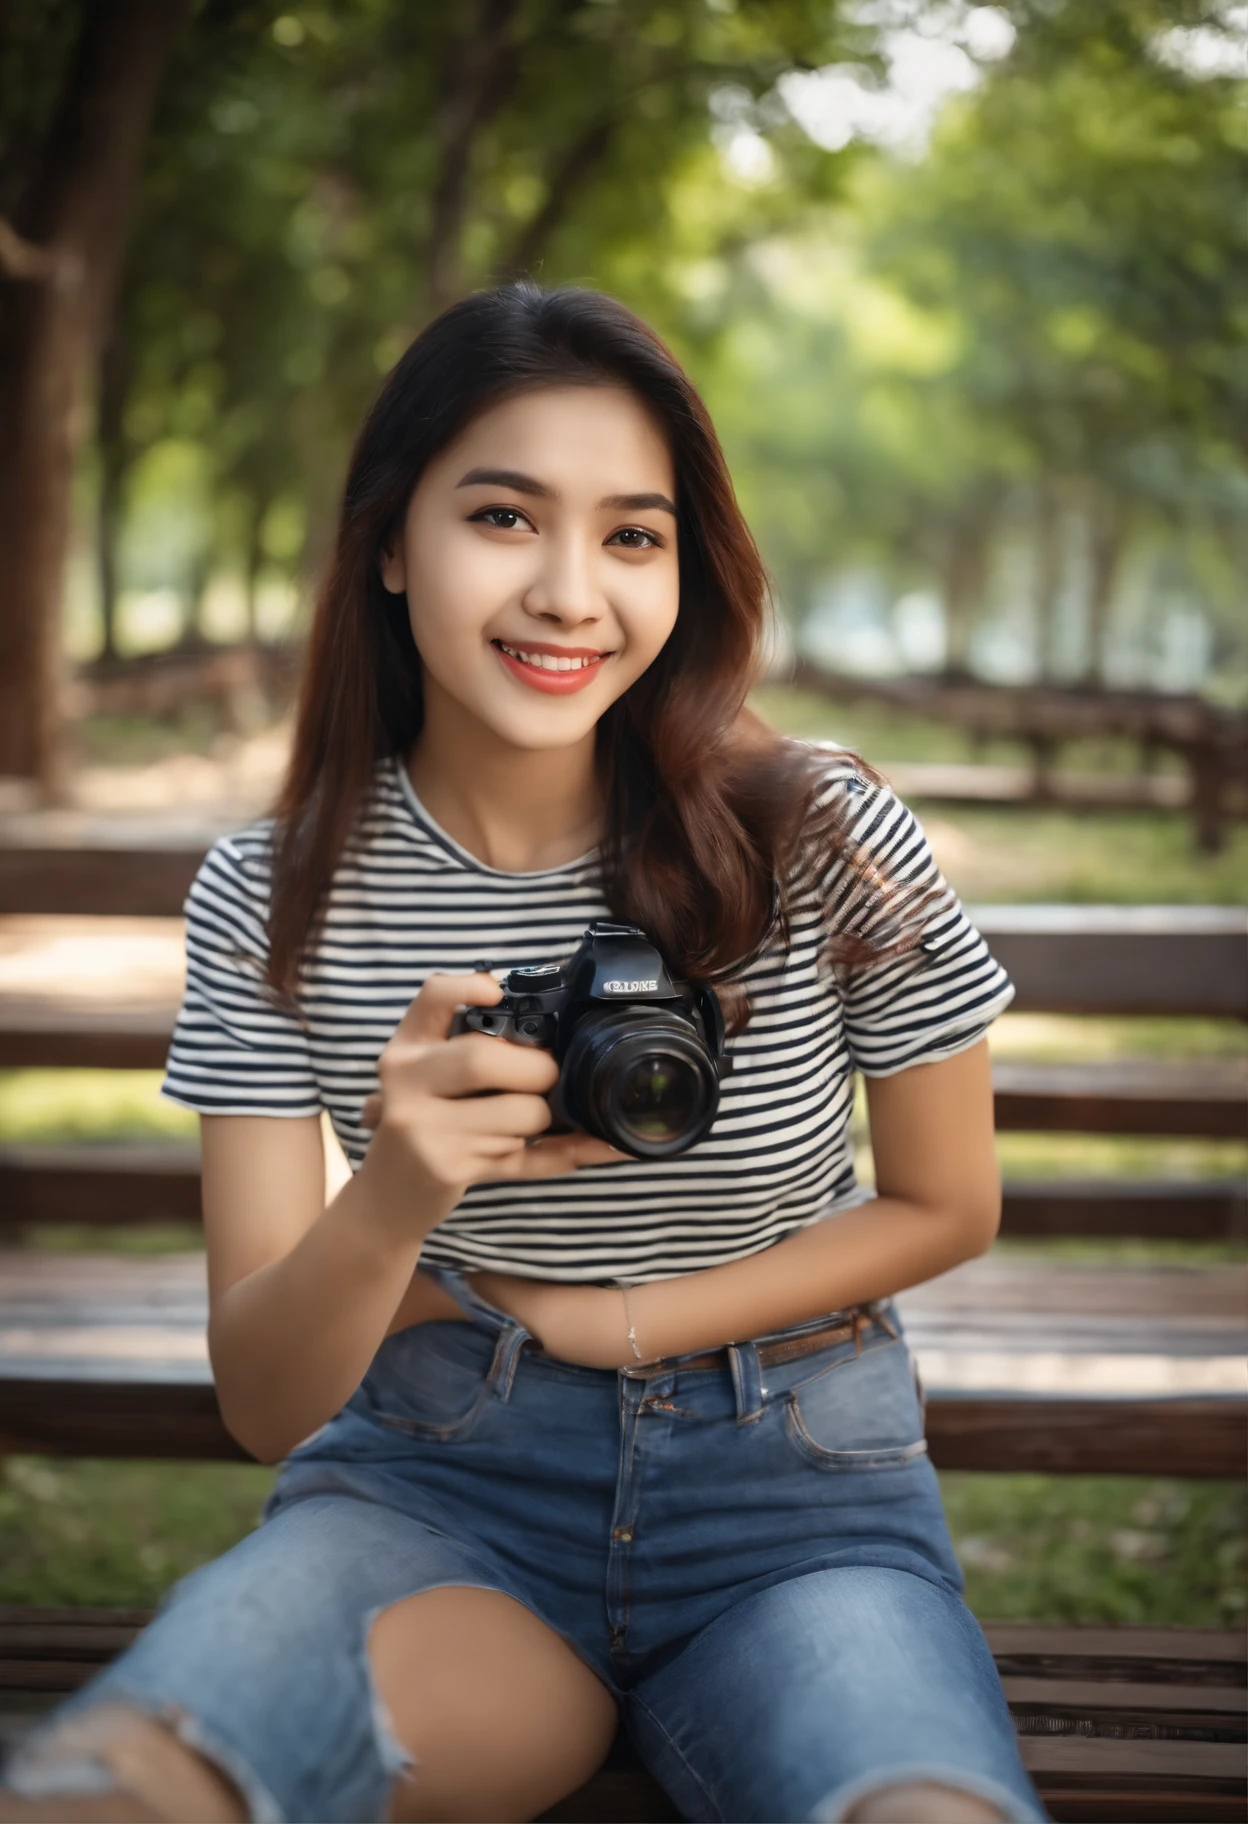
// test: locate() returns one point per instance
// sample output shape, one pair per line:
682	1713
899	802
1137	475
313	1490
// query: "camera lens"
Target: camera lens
641	1078
656	1097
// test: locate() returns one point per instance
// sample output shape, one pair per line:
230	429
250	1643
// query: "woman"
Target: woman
565	1432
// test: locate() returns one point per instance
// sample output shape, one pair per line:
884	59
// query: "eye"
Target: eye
503	519
636	538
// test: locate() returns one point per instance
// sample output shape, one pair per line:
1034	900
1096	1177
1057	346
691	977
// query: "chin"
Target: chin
541	734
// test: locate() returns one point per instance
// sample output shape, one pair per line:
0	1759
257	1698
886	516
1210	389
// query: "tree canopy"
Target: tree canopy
1001	351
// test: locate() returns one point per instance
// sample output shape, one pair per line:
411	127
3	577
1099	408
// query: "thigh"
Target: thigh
259	1659
804	1696
499	1714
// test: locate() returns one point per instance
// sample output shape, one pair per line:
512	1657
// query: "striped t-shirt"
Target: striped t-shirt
406	900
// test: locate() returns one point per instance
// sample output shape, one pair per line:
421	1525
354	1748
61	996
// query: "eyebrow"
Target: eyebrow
527	484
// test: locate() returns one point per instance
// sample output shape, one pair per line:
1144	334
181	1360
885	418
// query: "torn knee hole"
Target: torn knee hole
923	1802
115	1746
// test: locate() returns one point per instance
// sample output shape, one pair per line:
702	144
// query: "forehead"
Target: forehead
580	439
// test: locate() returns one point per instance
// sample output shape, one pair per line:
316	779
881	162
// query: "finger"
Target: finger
556	1154
473	1063
516	1117
370	1114
430	1014
600	1152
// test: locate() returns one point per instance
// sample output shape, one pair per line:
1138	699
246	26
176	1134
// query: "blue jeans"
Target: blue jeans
757	1568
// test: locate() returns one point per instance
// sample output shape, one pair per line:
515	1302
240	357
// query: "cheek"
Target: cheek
648	611
456	592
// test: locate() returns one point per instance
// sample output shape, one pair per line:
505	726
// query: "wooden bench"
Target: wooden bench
1209	738
158	1182
1027	1365
1131	1377
1032	1365
1142	1724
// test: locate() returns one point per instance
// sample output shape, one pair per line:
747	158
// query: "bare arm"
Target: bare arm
301	1293
938	1203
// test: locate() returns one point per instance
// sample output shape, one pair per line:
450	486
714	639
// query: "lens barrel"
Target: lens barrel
640	1078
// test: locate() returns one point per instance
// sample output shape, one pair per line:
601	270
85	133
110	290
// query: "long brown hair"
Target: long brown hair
705	806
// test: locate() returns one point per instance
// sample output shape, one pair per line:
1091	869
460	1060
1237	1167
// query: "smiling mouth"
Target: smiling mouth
549	661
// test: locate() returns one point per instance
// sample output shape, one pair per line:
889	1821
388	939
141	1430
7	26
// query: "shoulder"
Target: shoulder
868	859
237	869
227	908
854	818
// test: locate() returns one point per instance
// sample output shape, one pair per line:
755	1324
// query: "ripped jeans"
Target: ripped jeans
756	1567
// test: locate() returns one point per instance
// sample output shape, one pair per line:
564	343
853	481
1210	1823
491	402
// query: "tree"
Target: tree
314	189
68	236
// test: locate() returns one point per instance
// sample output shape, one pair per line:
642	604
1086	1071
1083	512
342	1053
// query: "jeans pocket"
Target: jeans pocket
429	1381
861	1413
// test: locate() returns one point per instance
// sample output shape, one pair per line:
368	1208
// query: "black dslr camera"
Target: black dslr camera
640	1055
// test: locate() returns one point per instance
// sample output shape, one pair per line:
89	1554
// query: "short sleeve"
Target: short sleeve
937	987
235	1051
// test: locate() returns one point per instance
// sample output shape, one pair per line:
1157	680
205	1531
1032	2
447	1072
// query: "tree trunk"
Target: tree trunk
253	559
1048	574
966	564
569	177
77	210
1108	541
114	462
480	74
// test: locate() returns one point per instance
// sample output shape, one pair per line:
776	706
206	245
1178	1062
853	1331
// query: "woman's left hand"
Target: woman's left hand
580	1324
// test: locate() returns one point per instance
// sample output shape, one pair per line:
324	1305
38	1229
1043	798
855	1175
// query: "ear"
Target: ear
392	565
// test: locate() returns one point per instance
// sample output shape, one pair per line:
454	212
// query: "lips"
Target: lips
558	670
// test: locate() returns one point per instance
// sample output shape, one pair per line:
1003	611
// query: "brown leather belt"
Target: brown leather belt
845	1327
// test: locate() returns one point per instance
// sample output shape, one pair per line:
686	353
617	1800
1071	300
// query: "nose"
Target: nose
564	591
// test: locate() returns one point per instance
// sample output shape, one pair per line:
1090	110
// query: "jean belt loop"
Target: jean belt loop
458	1284
747	1381
880	1312
506	1355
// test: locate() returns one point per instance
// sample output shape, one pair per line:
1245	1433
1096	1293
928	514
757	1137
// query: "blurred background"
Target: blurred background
964	288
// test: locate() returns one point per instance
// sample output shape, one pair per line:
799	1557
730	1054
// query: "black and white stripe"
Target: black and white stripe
407	900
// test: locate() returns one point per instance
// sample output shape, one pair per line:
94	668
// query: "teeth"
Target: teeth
546	661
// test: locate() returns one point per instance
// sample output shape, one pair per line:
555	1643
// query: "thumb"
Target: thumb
430	1014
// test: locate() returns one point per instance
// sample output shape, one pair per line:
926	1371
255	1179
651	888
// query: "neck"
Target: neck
514	808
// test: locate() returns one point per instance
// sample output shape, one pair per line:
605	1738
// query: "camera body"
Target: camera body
640	1054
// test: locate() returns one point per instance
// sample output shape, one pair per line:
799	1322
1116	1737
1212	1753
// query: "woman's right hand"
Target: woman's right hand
458	1111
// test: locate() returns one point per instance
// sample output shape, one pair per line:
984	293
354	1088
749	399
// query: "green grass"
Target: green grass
1037	857
1043	1548
140	740
90	1105
880	733
1025	854
82	1530
1093	1548
1088	1037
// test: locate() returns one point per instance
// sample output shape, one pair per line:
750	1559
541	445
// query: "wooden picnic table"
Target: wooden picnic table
1210	739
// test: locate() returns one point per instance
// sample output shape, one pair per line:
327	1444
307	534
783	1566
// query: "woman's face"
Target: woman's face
538	555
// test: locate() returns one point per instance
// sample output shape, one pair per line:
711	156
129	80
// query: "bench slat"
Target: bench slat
1206	1099
157	1418
1028	1365
1062	959
104	1185
121	880
1184	1210
1097	1748
1219	1655
1153	960
149	1182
